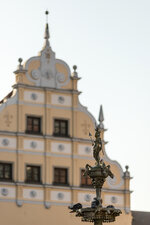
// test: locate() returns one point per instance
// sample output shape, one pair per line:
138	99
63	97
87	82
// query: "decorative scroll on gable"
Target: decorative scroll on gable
47	71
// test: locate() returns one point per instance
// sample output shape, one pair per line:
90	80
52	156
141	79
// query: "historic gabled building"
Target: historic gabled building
45	145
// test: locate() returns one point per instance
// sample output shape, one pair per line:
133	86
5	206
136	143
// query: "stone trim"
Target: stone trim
10	101
113	186
84	109
18	134
127	210
55	90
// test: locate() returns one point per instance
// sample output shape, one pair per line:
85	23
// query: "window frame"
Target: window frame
86	185
67	176
39	176
11	171
60	134
40	124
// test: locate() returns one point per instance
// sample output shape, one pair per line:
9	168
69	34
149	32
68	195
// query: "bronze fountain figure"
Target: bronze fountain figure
98	174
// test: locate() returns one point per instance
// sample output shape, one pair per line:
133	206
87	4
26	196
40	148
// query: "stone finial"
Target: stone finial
20	67
127	167
127	173
46	13
101	118
75	74
20	60
75	67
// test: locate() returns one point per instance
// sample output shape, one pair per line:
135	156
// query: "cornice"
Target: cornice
20	71
46	89
43	153
75	78
78	188
22	134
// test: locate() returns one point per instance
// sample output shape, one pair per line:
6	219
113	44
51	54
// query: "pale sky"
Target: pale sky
109	41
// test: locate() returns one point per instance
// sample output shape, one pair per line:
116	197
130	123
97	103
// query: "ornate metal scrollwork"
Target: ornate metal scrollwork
98	174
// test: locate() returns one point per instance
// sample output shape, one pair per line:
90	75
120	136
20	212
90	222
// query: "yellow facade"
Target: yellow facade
46	89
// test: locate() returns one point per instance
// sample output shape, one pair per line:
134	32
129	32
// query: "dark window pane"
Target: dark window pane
33	174
57	130
29	127
62	180
60	176
29	173
56	172
36	121
33	124
63	172
1	173
35	177
89	181
29	121
85	180
1	170
63	130
36	128
63	124
6	171
60	127
56	123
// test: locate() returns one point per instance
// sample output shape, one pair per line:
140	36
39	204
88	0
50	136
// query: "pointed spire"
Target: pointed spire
101	115
47	32
101	127
101	118
47	36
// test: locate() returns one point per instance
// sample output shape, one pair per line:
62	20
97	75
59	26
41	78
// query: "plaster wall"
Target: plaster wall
37	214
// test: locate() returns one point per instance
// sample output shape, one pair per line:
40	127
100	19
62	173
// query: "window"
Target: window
33	174
5	171
61	128
85	180
33	125
60	176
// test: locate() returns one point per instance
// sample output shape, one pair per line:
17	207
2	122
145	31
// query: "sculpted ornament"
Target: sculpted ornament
60	196
33	194
61	147
5	142
35	74
87	150
97	145
97	213
48	75
60	77
87	198
34	96
61	99
8	119
86	127
4	191
47	54
33	144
